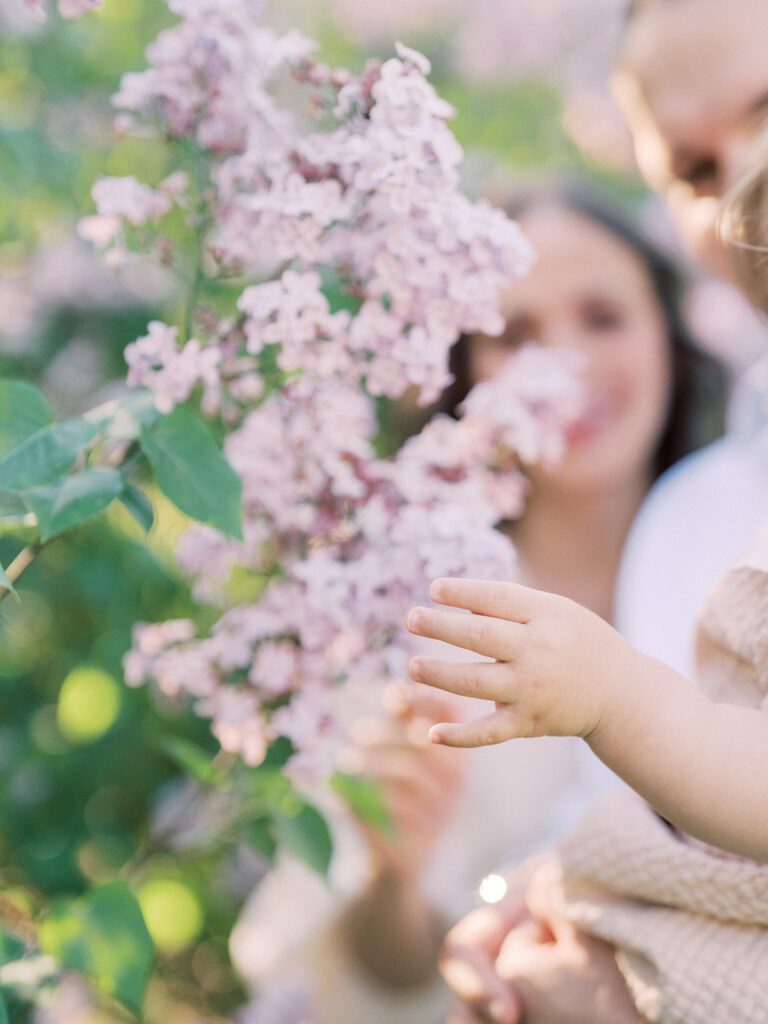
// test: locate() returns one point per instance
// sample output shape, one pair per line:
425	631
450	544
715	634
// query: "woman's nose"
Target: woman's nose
565	337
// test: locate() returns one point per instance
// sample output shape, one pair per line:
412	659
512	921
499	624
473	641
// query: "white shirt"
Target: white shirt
698	520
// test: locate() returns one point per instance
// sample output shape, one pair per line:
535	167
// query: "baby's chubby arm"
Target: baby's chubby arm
560	670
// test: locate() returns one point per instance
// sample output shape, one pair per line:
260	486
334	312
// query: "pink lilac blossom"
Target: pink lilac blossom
170	371
208	74
378	198
488	41
293	313
66	8
129	199
77	8
69	1001
375	263
37	9
378	531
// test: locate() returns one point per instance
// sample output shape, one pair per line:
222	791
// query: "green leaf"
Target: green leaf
46	455
11	948
139	505
260	835
124	418
74	500
339	296
278	754
191	470
365	799
23	411
195	762
5	582
15	517
104	935
3	1012
307	836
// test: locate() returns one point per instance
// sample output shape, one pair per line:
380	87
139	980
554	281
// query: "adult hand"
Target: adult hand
420	782
391	927
522	962
470	951
567	977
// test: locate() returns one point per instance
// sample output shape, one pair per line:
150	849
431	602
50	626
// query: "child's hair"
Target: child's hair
745	227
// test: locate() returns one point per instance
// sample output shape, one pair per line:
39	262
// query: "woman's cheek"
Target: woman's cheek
640	388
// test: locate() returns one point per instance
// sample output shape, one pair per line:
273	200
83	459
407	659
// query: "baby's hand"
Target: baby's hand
557	669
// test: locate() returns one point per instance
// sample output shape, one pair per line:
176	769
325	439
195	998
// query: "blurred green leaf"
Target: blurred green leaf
339	296
11	948
260	835
23	411
45	455
307	836
365	799
14	515
3	1012
139	506
103	934
278	754
74	500
191	470
5	582
195	761
124	418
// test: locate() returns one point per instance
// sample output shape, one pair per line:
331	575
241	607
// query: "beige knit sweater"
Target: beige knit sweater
690	923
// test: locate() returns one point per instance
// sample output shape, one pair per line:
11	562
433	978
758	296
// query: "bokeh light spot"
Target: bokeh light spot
493	888
173	913
89	704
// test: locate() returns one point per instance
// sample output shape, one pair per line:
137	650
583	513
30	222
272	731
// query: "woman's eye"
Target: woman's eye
603	319
512	339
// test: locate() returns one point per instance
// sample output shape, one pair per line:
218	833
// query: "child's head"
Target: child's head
745	228
692	79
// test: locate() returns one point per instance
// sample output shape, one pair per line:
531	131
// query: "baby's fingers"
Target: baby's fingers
486	680
510	601
495	638
497	727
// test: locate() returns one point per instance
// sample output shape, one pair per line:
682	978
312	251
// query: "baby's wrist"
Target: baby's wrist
619	690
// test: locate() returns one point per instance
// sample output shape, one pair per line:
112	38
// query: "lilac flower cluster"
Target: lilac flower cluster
66	8
345	542
371	195
360	262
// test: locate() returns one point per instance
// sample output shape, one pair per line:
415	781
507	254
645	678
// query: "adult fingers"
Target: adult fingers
476	983
467	959
495	638
510	601
545	901
482	679
429	795
405	701
463	1013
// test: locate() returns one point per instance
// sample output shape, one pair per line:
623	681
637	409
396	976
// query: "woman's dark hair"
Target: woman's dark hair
699	387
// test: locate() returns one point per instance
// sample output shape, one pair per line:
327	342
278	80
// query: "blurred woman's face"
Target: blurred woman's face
590	292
